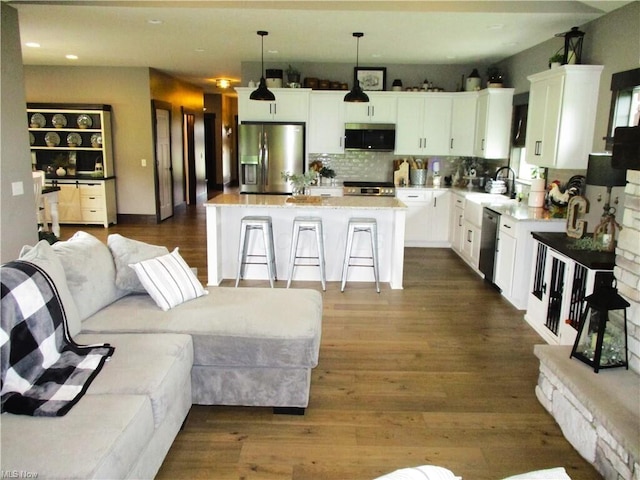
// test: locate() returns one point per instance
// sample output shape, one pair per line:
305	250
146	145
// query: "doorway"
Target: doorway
210	153
163	176
189	155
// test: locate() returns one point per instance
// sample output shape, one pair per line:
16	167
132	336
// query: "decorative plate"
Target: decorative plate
84	121
96	140
59	120
32	139
37	121
74	139
52	139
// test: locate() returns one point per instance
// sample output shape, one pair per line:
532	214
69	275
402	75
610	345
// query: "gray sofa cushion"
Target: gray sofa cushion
125	251
90	272
157	366
101	437
258	327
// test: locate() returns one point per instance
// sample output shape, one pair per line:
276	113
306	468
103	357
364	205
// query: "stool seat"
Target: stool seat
361	225
263	223
309	224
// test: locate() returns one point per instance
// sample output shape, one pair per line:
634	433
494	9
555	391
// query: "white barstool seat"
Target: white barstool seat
361	225
307	224
247	224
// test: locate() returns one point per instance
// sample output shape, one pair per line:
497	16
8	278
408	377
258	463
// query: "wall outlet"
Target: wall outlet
143	162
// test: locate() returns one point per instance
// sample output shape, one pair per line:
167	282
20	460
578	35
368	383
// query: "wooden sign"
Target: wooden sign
576	227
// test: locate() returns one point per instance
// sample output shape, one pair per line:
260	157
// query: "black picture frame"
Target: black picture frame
373	79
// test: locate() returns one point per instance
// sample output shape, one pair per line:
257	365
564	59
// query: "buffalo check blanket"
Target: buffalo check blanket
44	372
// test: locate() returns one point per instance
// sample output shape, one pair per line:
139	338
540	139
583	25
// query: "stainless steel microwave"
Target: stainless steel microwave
379	137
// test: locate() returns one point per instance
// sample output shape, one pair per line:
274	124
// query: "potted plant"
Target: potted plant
327	173
555	60
299	181
293	77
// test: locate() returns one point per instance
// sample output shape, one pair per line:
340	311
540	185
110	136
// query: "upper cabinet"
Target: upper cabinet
290	105
562	114
493	123
326	122
463	123
423	124
381	108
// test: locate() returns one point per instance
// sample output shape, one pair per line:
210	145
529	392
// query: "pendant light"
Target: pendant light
356	95
262	92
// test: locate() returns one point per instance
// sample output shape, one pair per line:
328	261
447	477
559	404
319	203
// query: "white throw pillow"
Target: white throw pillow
423	472
169	280
90	271
44	257
126	251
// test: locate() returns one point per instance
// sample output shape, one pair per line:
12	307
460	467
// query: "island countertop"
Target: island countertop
286	201
225	212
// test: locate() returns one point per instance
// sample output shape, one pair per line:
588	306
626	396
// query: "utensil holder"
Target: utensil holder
418	176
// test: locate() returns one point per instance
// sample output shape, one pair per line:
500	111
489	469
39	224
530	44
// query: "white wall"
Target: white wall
18	224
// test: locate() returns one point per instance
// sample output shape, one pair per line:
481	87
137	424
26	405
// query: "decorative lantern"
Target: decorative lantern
572	46
602	336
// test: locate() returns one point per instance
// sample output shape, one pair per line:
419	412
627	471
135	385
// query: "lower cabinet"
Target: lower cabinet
505	255
471	243
456	223
427	218
558	287
87	202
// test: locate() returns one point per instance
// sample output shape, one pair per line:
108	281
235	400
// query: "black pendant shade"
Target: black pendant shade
262	92
356	95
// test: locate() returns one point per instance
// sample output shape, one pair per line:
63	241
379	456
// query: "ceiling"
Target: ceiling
199	41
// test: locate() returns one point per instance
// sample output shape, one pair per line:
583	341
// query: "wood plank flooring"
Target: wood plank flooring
440	373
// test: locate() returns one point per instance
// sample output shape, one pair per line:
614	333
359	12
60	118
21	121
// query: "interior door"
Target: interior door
164	171
189	155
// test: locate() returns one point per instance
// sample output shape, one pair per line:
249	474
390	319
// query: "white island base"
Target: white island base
224	213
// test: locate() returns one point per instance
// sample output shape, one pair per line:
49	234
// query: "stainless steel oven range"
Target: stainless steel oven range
379	189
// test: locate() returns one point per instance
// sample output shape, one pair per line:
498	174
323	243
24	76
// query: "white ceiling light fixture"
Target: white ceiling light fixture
71	56
32	45
223	83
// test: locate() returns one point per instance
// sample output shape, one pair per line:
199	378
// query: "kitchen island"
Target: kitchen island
224	213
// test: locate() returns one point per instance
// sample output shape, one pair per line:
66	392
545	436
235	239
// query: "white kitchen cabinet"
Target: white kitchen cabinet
381	108
326	122
290	105
471	243
463	124
427	217
493	123
505	255
456	223
561	117
423	125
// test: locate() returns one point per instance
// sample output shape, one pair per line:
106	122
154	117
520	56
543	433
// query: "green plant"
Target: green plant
556	58
327	172
292	71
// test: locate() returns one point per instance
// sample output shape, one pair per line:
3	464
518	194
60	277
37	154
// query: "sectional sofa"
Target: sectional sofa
215	346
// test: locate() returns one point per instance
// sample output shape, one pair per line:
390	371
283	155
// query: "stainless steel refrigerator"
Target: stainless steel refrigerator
266	150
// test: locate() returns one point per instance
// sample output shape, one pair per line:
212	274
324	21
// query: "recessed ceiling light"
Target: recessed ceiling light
199	50
273	51
155	21
32	44
451	57
496	26
376	55
71	57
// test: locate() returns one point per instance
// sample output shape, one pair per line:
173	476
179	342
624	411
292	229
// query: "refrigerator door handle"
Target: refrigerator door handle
265	160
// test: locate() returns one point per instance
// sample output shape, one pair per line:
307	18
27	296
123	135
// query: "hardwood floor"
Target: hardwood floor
440	373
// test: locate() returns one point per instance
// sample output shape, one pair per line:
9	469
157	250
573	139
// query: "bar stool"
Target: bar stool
356	225
307	224
247	224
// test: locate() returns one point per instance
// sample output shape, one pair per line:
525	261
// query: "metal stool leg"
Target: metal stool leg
347	256
295	233
320	245
242	249
374	253
268	250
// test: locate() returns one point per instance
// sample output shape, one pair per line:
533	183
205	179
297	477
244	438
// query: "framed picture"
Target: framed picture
371	78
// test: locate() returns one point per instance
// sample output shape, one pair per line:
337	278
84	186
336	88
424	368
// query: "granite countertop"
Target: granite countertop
594	260
522	212
287	201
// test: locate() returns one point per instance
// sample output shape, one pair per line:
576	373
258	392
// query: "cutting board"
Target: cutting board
401	175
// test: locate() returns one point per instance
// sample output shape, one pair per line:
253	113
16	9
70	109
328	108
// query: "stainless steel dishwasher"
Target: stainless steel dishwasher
490	222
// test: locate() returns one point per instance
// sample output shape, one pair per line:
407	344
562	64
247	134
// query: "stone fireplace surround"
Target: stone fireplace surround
599	414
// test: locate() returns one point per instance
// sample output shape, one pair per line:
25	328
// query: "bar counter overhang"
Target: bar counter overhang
225	211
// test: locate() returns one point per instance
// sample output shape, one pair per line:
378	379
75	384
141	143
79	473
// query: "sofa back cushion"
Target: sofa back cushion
90	272
44	257
126	251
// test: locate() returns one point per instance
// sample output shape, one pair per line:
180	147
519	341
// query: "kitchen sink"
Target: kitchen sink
475	202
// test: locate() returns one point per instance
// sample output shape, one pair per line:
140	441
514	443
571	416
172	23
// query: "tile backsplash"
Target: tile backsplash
360	165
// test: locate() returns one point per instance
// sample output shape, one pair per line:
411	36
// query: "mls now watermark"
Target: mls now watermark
18	474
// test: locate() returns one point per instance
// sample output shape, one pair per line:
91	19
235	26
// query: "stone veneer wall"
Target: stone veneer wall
627	269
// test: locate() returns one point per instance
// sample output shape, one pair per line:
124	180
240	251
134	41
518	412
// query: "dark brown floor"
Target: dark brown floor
441	373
